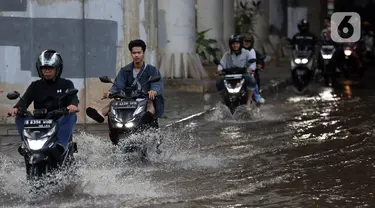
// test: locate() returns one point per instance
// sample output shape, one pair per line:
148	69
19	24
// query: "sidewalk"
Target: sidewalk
180	104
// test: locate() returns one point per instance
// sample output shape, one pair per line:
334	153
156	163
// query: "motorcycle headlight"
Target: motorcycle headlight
236	89
118	121
27	135
347	52
37	144
304	60
139	110
297	61
327	56
129	124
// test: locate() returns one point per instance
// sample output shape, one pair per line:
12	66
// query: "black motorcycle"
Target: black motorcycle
39	145
127	115
235	92
351	64
302	69
327	52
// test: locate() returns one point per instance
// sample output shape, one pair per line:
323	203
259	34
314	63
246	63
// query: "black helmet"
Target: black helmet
303	25
50	58
233	39
250	38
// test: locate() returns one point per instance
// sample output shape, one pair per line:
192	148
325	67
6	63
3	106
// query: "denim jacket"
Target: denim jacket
125	79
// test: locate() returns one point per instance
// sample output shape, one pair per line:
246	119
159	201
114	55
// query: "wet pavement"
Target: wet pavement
312	150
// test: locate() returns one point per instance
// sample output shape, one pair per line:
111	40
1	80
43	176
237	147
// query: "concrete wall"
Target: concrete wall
91	36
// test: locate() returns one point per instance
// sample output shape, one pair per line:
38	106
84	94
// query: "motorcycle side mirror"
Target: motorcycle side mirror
105	79
13	95
217	62
154	79
71	91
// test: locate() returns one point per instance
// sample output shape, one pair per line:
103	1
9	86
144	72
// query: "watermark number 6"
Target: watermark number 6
345	27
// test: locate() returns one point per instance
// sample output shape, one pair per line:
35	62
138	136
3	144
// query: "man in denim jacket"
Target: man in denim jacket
136	74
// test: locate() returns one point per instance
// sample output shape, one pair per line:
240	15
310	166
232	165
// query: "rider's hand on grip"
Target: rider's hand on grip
13	112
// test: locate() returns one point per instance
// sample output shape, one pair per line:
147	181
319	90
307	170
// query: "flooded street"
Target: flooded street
312	150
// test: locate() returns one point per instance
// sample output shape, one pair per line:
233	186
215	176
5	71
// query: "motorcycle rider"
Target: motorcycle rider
46	92
237	56
325	39
134	75
304	38
248	43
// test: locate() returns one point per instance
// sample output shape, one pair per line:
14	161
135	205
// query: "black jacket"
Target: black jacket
305	39
46	94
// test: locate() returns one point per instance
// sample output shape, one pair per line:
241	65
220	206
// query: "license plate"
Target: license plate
301	72
38	123
125	104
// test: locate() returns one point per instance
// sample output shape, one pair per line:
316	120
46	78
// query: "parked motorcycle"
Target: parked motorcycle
127	115
39	147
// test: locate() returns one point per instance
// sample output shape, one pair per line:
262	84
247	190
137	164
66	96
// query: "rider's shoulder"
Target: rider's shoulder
127	68
227	53
65	82
151	67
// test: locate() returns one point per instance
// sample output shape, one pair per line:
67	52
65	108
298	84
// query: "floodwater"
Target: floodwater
311	150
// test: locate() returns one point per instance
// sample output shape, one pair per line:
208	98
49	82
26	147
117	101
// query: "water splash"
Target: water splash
244	114
104	174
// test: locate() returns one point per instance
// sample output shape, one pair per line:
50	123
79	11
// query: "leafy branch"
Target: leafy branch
204	46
